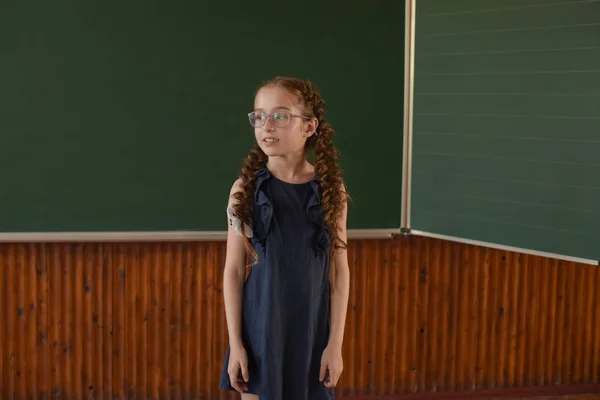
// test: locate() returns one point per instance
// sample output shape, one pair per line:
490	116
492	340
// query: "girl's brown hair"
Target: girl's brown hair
332	193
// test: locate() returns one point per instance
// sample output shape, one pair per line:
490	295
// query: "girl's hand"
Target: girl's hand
331	365
238	360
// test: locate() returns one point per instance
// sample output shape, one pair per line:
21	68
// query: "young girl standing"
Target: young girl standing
286	320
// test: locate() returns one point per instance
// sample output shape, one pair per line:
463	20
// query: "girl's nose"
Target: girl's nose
269	124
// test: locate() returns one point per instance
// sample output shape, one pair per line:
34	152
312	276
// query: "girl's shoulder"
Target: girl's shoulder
236	187
233	218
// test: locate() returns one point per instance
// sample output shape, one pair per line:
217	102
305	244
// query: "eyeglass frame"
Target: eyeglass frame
267	116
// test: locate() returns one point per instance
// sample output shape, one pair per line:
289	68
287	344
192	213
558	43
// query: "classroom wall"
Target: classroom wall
147	320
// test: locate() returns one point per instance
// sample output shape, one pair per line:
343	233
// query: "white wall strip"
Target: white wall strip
503	247
174	236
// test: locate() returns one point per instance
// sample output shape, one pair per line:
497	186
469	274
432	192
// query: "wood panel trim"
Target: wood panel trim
522	392
426	318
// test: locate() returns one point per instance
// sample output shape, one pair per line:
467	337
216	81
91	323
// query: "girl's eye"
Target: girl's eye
280	116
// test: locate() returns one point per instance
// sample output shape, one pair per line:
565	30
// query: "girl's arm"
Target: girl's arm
233	286
332	364
341	285
233	280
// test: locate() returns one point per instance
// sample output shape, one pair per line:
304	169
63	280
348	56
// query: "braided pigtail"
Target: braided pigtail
333	195
242	207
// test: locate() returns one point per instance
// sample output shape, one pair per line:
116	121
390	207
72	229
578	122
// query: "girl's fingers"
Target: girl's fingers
245	373
242	385
332	379
323	372
234	379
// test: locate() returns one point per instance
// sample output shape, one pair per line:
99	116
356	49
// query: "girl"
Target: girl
286	320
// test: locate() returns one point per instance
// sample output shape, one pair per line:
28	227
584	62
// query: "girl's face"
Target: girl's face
278	127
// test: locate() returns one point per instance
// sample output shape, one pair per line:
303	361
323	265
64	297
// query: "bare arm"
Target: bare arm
341	286
332	364
233	280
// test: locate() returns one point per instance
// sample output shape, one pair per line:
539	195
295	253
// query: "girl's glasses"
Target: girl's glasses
280	118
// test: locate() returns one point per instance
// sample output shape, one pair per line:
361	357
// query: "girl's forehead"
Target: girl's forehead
275	97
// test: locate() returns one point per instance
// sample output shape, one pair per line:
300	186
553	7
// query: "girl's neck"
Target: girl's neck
290	170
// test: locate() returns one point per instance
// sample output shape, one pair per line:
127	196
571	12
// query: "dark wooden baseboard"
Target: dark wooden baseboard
523	392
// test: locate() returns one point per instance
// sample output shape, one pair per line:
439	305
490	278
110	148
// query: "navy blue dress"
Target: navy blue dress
286	299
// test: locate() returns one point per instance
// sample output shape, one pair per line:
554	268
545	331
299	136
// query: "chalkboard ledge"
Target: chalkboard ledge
503	247
170	236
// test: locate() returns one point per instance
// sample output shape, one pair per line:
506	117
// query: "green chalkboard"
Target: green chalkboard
132	116
507	123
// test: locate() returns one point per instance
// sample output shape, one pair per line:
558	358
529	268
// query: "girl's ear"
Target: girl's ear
311	127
